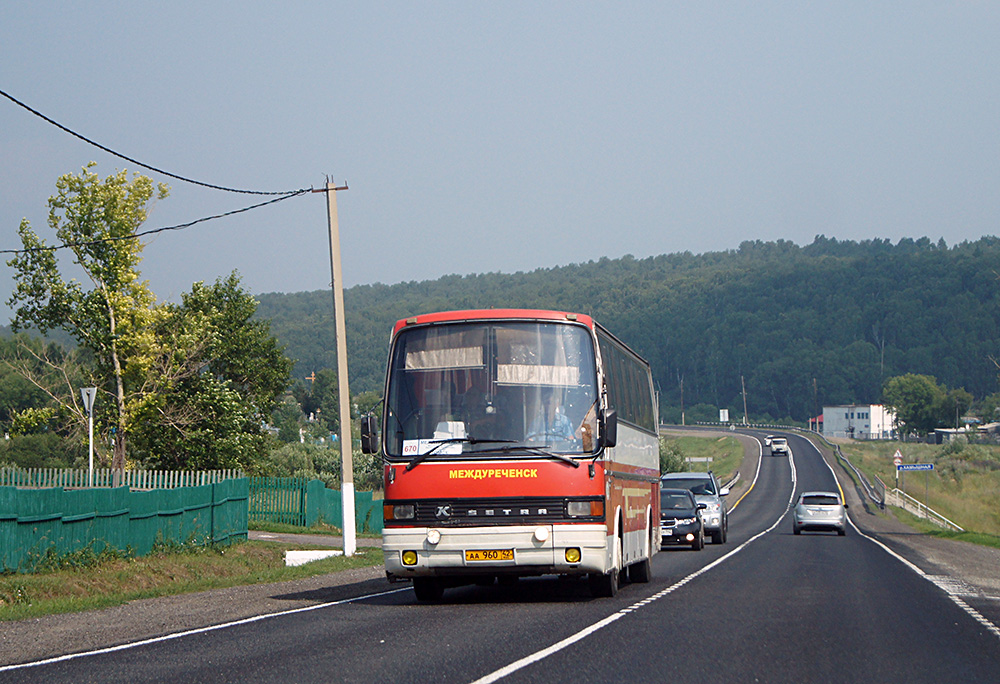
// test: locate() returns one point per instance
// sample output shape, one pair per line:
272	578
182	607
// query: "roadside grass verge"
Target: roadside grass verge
962	487
932	530
116	578
726	453
320	528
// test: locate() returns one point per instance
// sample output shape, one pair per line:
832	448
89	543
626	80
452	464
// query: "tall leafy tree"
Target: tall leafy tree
917	400
110	317
218	377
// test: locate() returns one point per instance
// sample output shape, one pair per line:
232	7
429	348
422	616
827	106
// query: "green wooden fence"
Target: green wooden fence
80	478
35	521
278	500
302	502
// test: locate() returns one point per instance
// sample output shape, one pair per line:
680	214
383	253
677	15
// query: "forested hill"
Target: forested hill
802	326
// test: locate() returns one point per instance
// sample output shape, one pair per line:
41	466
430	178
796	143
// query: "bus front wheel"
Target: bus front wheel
606	585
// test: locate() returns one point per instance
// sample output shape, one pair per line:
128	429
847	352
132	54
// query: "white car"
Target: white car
779	446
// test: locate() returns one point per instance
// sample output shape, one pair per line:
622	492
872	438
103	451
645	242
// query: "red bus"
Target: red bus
516	443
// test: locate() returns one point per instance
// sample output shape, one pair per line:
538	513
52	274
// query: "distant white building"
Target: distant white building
858	421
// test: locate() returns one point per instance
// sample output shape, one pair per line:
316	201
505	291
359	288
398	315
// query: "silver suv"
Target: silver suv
706	490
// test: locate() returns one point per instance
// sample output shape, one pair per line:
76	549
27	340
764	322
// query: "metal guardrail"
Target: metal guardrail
900	499
870	490
879	493
882	495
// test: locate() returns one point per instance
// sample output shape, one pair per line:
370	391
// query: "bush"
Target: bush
671	457
320	462
44	450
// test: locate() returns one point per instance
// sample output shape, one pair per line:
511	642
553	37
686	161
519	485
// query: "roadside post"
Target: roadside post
89	394
344	394
897	460
926	467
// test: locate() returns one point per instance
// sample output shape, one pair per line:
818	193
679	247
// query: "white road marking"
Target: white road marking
936	580
601	624
190	632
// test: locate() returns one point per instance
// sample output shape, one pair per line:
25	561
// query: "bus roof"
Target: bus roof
493	314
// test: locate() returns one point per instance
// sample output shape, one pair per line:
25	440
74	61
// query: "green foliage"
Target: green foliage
31	420
321	462
922	405
185	386
90	556
98	220
219	376
17	393
671	457
827	323
954	447
44	450
914	398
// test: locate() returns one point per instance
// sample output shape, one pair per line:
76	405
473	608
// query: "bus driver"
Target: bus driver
550	421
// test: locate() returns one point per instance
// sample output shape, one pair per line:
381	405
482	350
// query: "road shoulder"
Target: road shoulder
54	635
974	567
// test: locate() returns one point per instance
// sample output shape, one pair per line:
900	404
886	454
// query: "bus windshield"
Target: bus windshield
473	388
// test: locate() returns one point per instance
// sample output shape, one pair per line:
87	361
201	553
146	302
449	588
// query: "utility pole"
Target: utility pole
743	385
816	404
344	395
682	401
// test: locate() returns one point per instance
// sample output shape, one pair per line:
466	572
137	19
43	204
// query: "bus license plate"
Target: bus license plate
490	555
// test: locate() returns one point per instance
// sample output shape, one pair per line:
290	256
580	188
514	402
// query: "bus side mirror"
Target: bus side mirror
369	435
609	428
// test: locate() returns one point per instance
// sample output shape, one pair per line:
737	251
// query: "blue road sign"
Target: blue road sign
915	466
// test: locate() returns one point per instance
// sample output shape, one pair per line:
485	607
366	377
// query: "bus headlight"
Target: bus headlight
573	555
399	511
580	509
409	557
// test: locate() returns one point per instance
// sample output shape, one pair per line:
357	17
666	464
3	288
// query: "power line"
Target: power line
180	226
286	193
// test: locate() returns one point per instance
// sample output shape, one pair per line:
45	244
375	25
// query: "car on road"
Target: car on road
767	441
779	446
820	511
706	490
680	519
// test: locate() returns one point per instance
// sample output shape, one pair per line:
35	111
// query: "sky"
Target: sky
502	137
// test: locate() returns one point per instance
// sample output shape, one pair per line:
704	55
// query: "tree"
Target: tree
916	399
953	406
17	392
187	385
218	376
97	221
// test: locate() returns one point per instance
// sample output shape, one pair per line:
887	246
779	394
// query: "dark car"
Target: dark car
680	518
706	490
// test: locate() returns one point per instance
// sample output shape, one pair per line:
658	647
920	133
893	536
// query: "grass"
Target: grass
964	485
932	530
112	579
320	528
726	453
283	528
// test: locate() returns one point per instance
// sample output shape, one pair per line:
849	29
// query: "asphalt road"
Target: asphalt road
767	606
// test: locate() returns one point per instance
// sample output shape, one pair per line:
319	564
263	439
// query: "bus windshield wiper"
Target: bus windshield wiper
541	452
438	443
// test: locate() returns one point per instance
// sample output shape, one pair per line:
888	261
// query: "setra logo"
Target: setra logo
444	511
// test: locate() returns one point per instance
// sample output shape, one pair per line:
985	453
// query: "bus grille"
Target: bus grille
480	512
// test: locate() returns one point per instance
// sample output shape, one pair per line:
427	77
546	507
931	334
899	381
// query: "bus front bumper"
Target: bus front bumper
506	550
